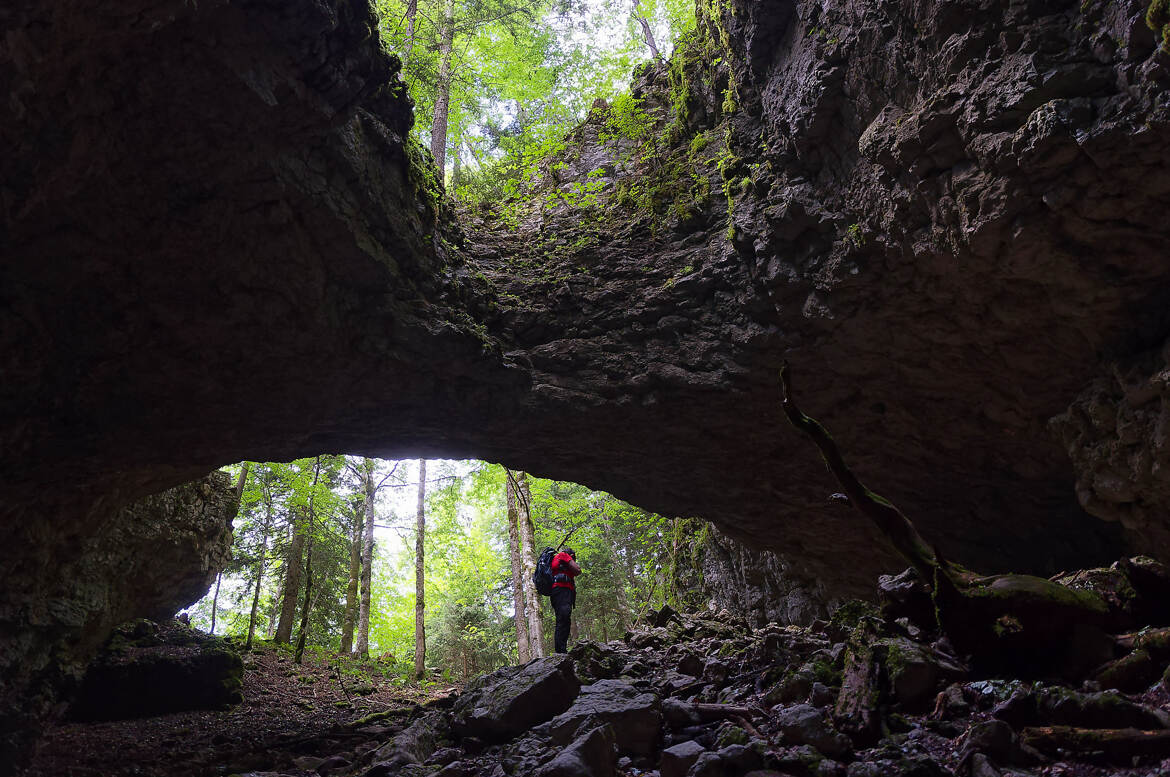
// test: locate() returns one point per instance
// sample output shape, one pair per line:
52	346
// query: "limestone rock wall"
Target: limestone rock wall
1117	433
149	559
218	244
760	586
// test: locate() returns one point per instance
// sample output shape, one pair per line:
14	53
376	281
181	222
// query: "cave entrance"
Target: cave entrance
306	529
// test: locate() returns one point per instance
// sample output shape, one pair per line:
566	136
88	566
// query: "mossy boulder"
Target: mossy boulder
147	669
914	672
1058	706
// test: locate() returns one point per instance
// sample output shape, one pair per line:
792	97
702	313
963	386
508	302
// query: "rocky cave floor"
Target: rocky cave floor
686	695
289	712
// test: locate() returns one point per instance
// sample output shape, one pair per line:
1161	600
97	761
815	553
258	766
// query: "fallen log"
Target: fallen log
1019	624
1155	641
707	711
1117	745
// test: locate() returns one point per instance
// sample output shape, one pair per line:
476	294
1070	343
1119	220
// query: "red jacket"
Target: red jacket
556	562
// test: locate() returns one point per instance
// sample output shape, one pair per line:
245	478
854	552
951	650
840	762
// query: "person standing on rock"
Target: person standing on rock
564	595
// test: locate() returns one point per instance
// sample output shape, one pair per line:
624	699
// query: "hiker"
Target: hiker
564	595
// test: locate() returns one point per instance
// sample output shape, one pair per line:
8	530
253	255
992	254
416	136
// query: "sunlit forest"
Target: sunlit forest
302	572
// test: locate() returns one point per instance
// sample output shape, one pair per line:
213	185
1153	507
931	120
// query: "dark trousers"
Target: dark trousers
562	600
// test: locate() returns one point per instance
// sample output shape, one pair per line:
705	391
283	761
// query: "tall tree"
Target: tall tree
366	472
522	639
528	562
262	554
303	632
240	482
357	512
443	87
647	32
292	579
215	601
420	631
362	647
411	21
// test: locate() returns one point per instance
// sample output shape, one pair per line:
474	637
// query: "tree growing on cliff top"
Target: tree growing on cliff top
485	74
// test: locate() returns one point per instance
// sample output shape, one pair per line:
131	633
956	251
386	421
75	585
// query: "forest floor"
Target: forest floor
288	711
710	673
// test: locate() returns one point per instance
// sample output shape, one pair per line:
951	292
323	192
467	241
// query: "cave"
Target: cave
954	232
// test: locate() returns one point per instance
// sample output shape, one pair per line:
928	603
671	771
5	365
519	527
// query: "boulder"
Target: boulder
590	755
677	760
794	687
1057	706
804	724
822	696
635	715
654	638
596	660
147	669
415	744
507	702
995	740
914	671
663	616
456	769
733	759
906	596
690	664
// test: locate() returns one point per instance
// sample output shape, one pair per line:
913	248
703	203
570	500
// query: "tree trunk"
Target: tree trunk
240	481
260	564
443	89
363	637
303	633
456	158
215	601
273	610
1013	623
1121	747
647	33
523	642
355	572
889	520
411	15
857	711
292	582
420	636
243	478
528	562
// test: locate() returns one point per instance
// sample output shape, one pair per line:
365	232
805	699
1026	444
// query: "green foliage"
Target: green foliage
854	235
626	118
580	194
730	165
524	71
1158	20
276	500
621	550
699	142
626	553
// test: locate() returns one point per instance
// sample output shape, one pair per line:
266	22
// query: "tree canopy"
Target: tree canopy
519	73
470	611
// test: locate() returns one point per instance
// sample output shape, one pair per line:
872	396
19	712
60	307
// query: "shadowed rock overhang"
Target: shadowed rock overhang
950	219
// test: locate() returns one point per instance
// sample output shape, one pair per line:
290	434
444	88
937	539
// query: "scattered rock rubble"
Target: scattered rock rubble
705	695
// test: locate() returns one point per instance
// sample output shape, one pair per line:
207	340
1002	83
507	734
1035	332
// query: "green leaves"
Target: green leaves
524	73
623	550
